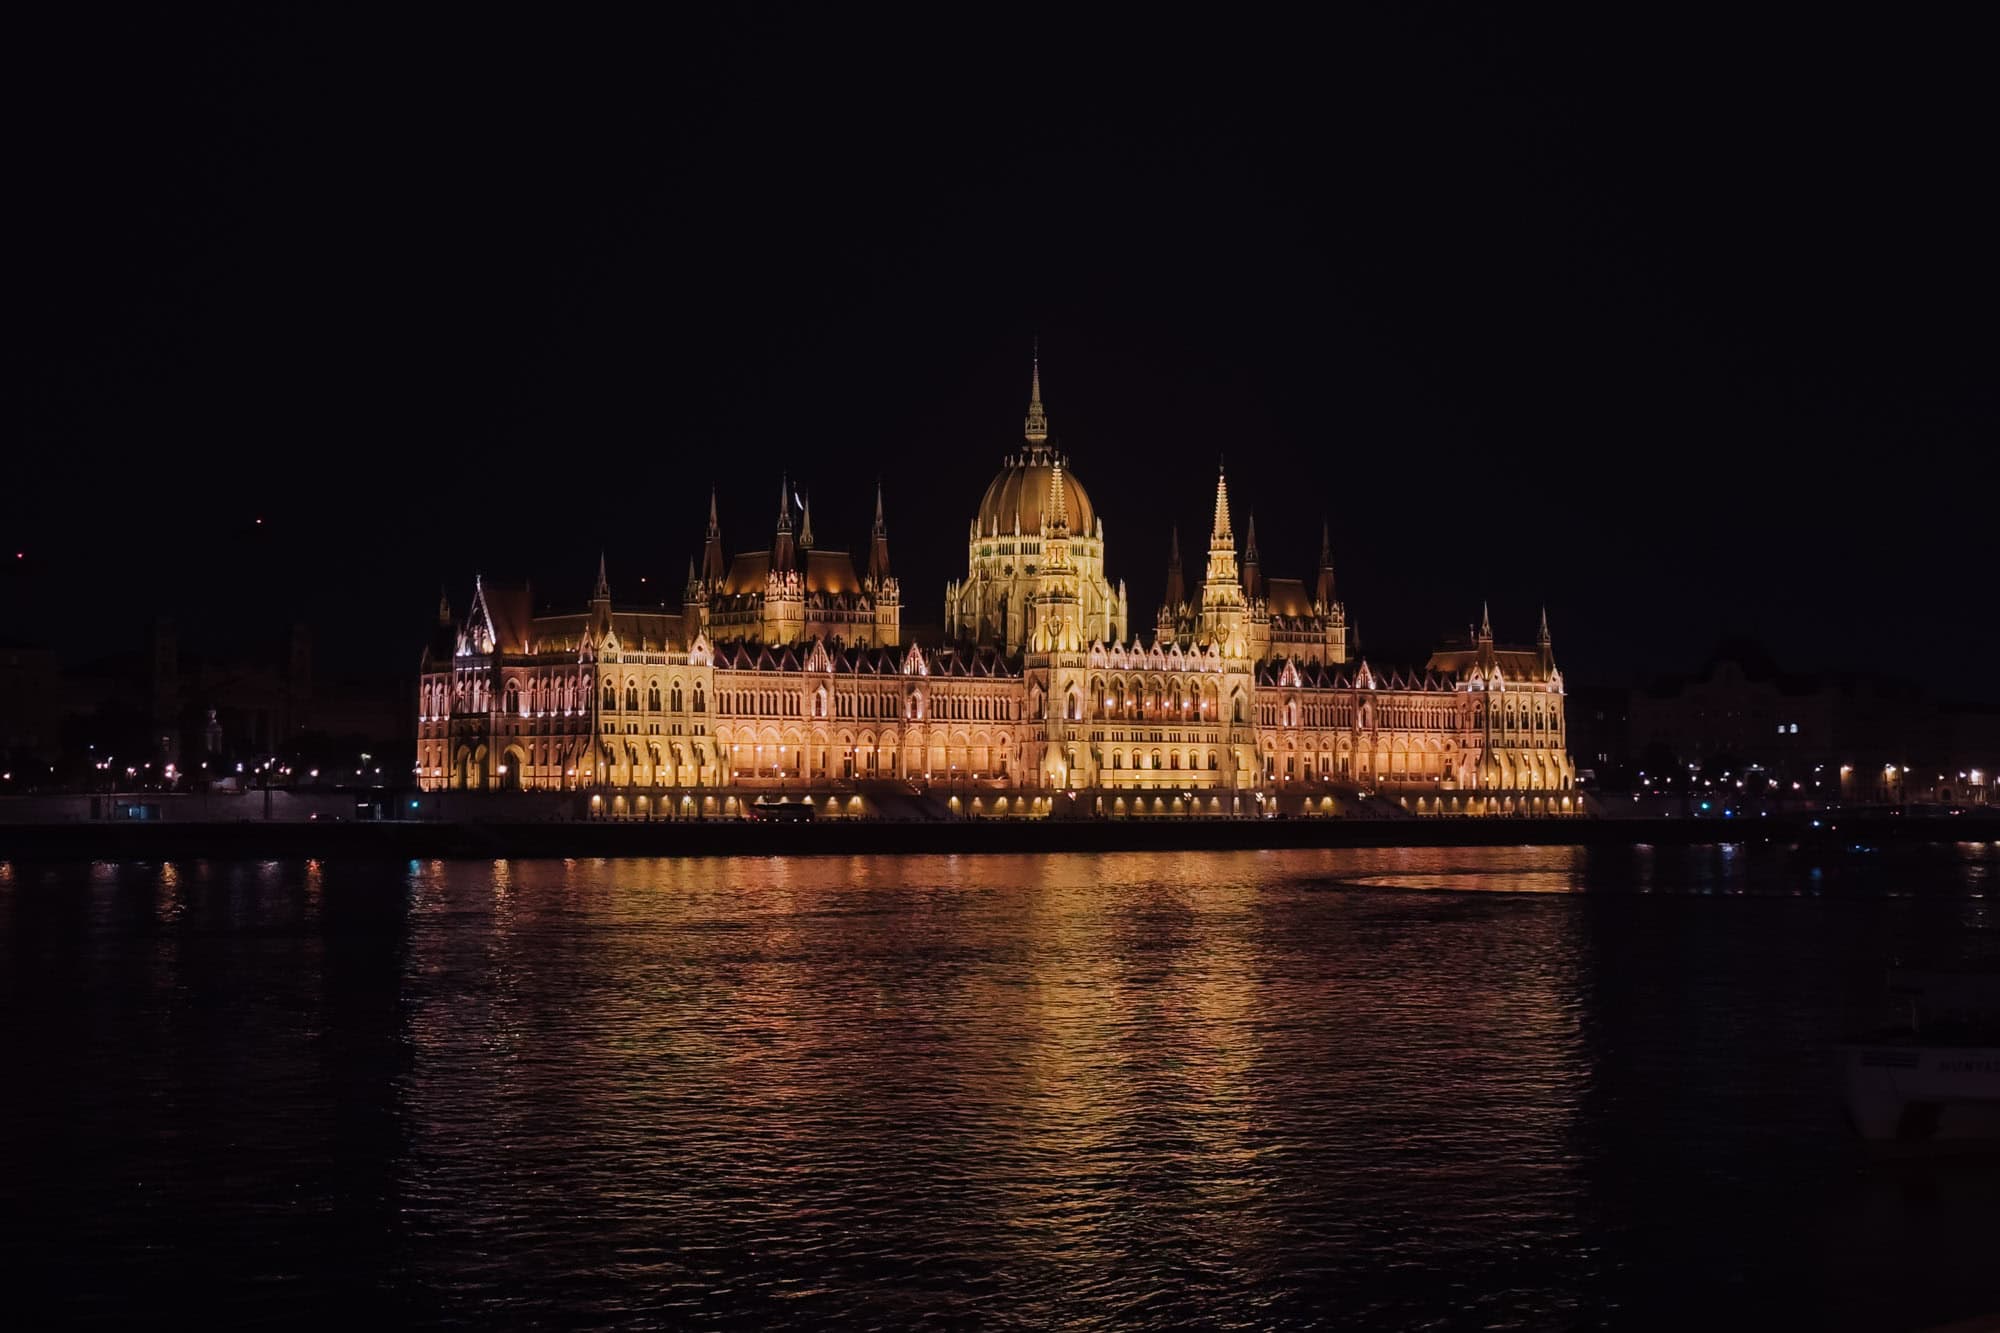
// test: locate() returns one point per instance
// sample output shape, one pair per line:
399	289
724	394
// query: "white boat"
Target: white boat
1934	1078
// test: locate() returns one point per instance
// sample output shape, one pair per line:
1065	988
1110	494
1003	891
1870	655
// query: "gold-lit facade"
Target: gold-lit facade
786	671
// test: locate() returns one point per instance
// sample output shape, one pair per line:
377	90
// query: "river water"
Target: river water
1437	1088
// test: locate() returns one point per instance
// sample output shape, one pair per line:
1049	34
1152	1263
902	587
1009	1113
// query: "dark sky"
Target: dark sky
1681	329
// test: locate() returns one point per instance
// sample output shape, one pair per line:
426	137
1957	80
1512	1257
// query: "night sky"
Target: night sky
1681	330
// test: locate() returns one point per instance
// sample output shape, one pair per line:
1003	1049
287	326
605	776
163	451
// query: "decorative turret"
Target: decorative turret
784	607
694	600
888	591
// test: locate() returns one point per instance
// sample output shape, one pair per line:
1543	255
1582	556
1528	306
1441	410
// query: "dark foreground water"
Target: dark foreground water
1441	1088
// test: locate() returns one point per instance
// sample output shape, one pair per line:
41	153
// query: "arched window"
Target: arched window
1211	761
610	693
632	695
1174	759
653	696
674	697
1118	759
819	702
1156	759
700	699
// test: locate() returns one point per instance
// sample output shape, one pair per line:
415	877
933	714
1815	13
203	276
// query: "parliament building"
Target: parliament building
786	675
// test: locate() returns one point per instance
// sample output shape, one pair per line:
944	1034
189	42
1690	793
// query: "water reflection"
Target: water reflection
1514	1087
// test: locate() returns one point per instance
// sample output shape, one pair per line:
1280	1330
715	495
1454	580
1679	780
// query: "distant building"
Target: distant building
1600	730
787	664
168	705
30	703
1862	736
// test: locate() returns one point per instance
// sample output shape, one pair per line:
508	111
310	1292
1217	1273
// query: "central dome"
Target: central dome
1022	489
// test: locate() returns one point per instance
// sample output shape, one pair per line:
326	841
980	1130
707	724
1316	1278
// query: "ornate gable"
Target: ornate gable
476	635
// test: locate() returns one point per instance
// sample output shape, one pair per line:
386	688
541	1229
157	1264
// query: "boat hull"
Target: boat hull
1906	1092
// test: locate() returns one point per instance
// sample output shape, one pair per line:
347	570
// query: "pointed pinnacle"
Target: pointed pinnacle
1036	428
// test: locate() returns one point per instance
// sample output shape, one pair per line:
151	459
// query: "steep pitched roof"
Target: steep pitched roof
1287	597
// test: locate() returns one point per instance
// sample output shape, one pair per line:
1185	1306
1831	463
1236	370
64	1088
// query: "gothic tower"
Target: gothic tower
1223	607
883	584
784	619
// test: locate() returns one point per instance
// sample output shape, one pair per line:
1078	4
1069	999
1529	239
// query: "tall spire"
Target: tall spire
602	593
805	520
1220	535
444	606
878	543
1056	511
1485	621
1543	635
1253	564
712	569
1176	582
1323	592
1038	420
784	551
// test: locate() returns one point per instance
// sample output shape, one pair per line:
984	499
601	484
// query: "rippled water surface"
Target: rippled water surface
1433	1088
